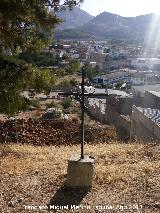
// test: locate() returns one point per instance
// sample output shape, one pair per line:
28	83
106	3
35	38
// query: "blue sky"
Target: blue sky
122	7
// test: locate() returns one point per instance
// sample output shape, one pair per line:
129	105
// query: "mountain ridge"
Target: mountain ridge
109	25
73	18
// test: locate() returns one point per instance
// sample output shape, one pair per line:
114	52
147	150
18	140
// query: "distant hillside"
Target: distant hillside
108	25
73	18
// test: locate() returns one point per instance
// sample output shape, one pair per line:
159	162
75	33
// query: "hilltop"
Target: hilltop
73	18
126	176
112	26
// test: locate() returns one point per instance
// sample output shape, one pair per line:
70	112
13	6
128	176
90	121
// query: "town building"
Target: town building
112	78
139	91
152	99
146	63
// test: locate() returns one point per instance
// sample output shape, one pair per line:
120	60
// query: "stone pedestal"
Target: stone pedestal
80	171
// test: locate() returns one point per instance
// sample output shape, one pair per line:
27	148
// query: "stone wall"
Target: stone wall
112	115
151	100
125	105
112	109
95	111
128	120
123	126
118	112
116	106
143	127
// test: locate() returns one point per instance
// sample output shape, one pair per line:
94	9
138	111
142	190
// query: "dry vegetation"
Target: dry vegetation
52	132
125	174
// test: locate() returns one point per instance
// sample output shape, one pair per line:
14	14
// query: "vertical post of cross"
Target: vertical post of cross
82	115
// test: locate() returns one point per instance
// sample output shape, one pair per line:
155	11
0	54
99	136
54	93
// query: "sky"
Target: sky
127	8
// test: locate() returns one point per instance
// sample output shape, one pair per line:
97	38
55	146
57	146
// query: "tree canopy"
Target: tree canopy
90	72
25	26
16	76
74	66
41	59
28	24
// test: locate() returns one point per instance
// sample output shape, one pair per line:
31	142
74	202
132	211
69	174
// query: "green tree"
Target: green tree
41	59
28	24
25	26
16	76
74	66
90	72
42	80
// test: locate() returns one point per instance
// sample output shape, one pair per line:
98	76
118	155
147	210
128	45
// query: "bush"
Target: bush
65	83
35	103
52	115
66	102
51	105
57	114
73	82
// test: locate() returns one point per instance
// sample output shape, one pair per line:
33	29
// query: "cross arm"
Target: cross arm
89	95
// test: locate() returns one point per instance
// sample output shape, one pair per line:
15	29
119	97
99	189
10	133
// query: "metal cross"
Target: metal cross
81	97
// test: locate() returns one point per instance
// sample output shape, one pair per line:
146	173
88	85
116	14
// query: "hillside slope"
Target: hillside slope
73	18
108	25
126	178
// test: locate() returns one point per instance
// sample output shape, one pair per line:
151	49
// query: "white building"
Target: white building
137	81
146	63
148	78
93	63
139	91
112	78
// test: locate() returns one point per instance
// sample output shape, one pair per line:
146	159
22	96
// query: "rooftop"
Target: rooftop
117	92
150	59
153	114
91	89
143	88
96	101
155	93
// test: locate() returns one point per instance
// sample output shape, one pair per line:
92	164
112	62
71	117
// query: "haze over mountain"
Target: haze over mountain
108	25
73	18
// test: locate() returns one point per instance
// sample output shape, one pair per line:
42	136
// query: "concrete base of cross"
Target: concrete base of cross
80	171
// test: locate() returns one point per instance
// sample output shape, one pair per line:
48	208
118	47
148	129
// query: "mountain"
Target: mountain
108	25
73	18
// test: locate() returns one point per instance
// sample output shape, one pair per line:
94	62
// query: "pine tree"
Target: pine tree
25	26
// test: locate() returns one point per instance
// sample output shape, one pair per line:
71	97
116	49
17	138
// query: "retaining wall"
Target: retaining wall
143	127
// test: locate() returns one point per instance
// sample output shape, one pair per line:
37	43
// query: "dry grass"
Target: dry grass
125	174
69	77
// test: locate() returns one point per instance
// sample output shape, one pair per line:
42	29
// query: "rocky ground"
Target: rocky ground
52	132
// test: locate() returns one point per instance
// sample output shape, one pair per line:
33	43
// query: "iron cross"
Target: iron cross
81	96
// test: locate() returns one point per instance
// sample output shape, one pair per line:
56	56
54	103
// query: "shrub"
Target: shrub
35	103
51	105
66	102
73	82
65	83
52	114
